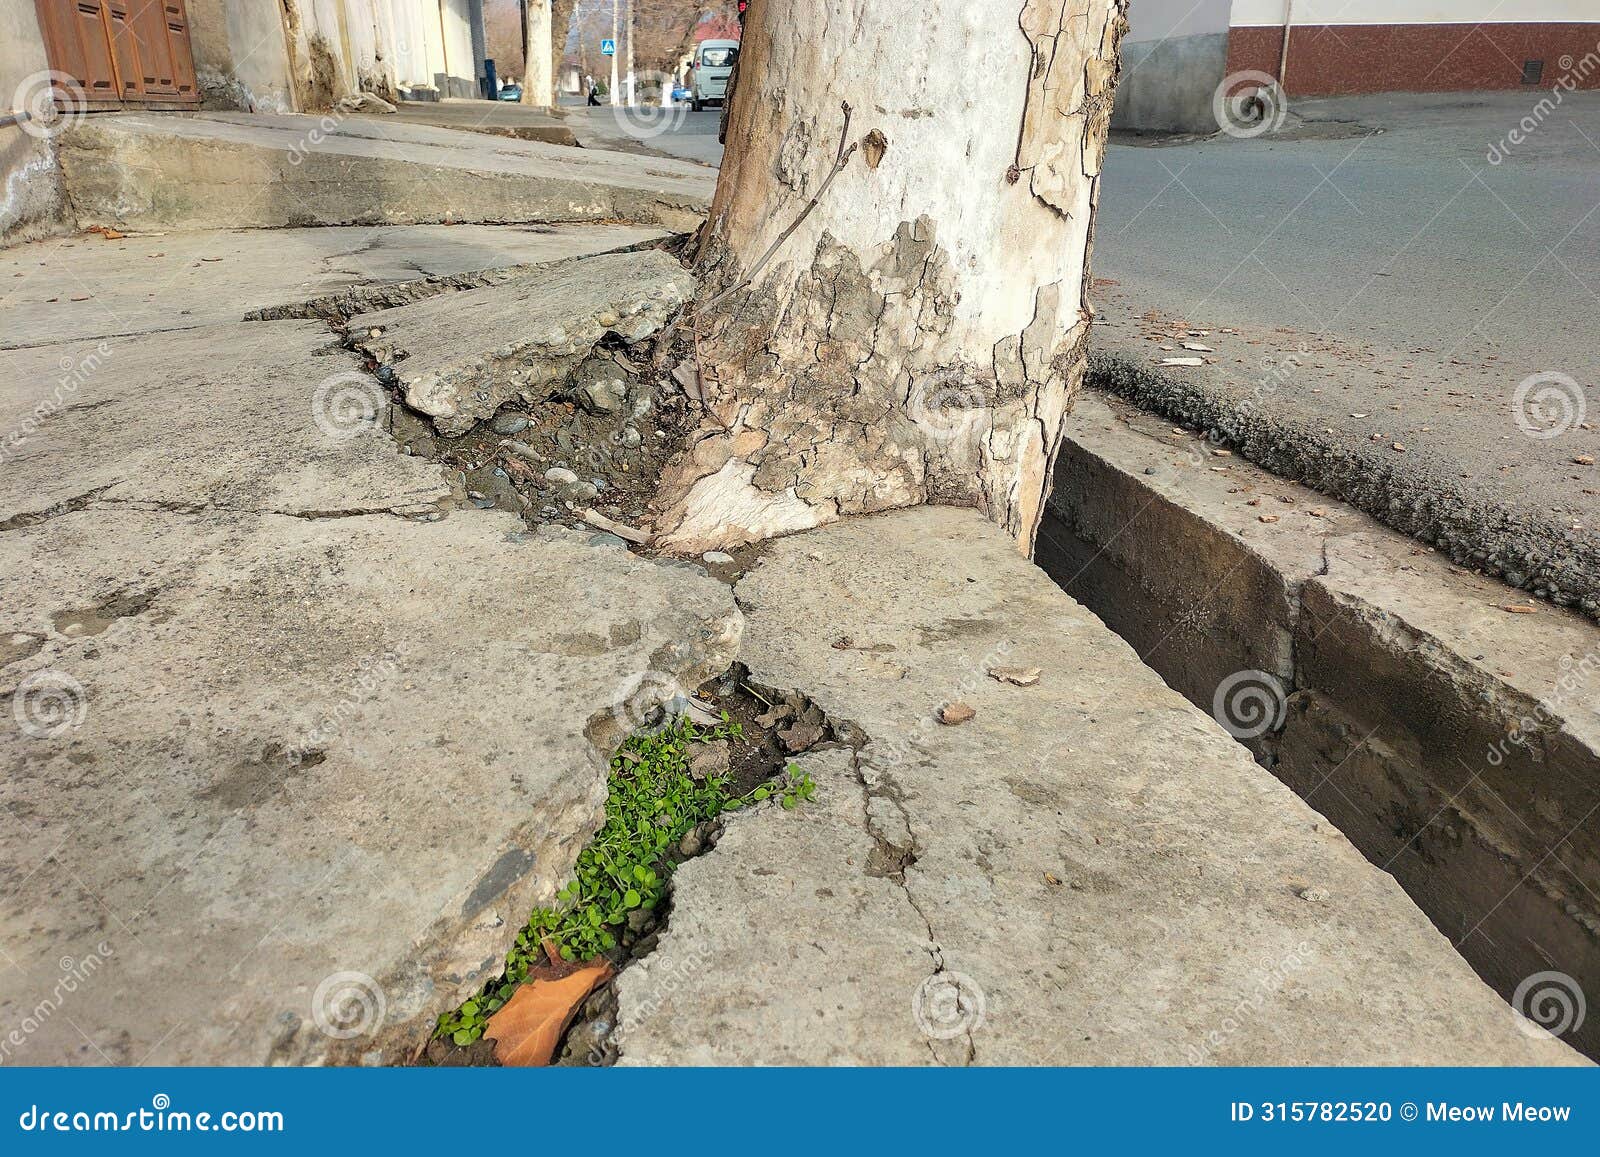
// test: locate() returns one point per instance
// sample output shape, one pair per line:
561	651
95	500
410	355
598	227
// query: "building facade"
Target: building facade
1178	52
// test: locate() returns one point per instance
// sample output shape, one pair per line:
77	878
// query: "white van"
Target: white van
708	77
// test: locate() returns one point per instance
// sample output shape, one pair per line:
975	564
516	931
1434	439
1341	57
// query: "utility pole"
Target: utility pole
613	93
631	100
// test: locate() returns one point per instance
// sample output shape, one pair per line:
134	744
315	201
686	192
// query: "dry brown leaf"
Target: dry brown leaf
528	1027
954	713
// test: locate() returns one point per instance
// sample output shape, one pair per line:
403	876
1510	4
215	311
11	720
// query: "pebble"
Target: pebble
508	424
631	438
717	557
608	540
1315	895
560	475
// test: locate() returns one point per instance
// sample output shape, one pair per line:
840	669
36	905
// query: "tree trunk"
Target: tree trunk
560	27
916	338
537	85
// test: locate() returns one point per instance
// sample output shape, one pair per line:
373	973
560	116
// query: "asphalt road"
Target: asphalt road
1392	292
1389	286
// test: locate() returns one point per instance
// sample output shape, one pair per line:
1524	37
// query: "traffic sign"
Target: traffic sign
608	48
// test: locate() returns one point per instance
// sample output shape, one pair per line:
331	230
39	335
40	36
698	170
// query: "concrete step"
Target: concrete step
221	170
457	359
1090	871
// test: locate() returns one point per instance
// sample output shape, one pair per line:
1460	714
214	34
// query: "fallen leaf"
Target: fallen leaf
1222	453
1398	446
1016	676
957	712
1269	518
1050	878
1583	460
528	1027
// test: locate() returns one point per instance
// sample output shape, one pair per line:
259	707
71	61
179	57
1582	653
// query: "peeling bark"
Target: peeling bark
891	314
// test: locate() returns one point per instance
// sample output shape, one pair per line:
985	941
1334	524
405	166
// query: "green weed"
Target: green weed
652	803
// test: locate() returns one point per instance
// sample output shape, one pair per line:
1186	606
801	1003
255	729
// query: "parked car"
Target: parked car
708	79
680	94
511	92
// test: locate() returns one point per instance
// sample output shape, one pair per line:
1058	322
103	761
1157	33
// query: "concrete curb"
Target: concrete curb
1454	741
1528	551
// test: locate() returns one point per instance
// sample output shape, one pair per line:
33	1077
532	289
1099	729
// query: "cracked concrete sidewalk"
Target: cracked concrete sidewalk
1088	872
294	725
300	732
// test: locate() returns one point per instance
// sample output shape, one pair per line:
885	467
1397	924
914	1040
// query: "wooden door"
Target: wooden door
121	53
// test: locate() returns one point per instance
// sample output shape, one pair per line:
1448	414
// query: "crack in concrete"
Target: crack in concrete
889	852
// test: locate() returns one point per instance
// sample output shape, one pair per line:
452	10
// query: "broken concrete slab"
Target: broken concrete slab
1101	875
1452	740
293	786
728	969
247	417
459	358
86	286
220	170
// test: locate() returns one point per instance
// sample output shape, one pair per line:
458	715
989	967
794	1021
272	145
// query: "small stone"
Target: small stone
603	397
775	716
1016	676
1269	518
1583	460
631	438
509	423
1315	895
800	737
952	714
691	844
710	759
608	540
1149	469
559	476
717	557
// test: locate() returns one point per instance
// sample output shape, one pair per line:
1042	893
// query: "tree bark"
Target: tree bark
538	87
895	302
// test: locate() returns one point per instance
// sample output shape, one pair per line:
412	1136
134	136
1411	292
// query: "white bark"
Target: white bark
538	81
918	335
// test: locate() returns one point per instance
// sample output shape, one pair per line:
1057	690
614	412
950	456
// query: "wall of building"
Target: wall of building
32	200
240	58
1173	58
1341	47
